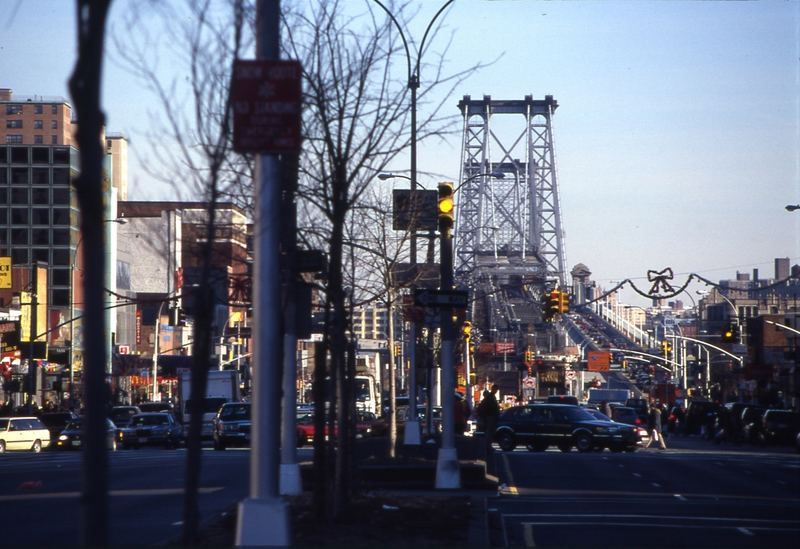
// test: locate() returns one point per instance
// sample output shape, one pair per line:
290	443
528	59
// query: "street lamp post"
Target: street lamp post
413	84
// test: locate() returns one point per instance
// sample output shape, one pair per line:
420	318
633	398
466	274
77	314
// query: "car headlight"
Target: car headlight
63	437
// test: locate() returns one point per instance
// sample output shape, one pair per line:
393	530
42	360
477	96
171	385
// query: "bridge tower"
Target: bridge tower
508	213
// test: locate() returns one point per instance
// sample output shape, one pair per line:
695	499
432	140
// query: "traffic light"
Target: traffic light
446	207
467	329
554	304
730	333
666	346
545	305
563	302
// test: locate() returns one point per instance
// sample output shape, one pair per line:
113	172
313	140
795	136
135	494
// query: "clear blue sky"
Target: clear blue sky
677	135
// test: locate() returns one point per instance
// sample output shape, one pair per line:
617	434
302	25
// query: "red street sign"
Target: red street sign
265	97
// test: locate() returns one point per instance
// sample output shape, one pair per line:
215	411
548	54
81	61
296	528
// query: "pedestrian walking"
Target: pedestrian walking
605	407
488	410
654	425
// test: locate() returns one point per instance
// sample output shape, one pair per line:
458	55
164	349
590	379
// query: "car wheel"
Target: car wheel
583	442
565	447
2	446
37	446
506	441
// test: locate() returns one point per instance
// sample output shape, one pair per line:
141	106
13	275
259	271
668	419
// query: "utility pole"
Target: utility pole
263	518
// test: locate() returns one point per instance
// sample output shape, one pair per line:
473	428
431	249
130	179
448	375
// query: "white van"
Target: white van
23	433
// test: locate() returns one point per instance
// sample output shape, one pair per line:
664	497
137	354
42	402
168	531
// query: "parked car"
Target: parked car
23	433
562	399
369	425
57	422
779	426
155	407
305	428
121	415
751	423
630	416
232	425
151	429
71	438
541	425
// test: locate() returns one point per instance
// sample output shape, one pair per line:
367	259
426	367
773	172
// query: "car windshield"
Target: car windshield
149	420
236	411
123	413
74	425
574	413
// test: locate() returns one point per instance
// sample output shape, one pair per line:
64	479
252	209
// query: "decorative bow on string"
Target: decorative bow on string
659	278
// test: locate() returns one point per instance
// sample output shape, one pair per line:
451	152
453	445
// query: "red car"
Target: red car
305	428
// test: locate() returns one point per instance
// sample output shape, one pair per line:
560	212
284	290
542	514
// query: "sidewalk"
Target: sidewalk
696	442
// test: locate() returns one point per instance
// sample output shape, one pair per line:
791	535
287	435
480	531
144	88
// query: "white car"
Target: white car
23	433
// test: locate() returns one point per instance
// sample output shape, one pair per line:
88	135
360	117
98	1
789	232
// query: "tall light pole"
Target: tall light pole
413	84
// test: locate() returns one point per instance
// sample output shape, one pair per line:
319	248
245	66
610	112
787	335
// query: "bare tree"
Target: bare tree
201	154
355	117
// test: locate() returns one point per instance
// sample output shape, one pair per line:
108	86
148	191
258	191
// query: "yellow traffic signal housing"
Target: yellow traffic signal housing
554	304
666	346
467	329
730	333
446	206
563	302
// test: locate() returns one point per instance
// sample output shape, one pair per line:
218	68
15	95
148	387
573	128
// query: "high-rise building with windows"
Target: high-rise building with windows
39	215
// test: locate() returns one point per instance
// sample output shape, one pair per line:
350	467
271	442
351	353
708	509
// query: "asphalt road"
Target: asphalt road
39	494
691	495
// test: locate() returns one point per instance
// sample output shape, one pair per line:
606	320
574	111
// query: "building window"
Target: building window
60	237
14	139
40	176
3	197
19	196
61	257
41	254
19	155
60	216
14	124
38	109
38	139
19	237
60	298
3	219
40	216
41	197
41	237
3	176
60	277
38	125
61	155
41	155
3	155
19	255
20	216
60	176
54	124
13	109
19	176
60	197
54	140
54	109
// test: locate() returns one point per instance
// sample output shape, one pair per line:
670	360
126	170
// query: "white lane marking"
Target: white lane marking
745	531
637	475
655	485
680	497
